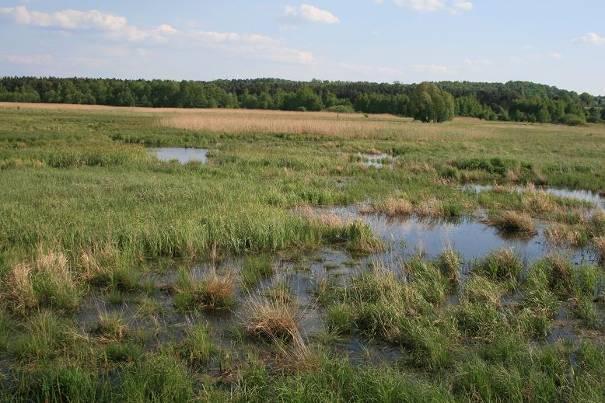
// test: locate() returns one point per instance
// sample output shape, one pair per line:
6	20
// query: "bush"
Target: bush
573	120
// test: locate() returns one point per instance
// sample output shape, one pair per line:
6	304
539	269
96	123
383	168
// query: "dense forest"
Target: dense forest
429	102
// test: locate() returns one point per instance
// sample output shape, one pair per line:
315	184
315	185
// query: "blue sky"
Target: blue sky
558	42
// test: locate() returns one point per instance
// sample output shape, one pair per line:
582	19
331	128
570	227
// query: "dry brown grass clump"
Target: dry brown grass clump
212	292
19	289
563	234
538	201
218	290
270	319
47	281
111	327
94	263
391	207
514	222
429	208
322	218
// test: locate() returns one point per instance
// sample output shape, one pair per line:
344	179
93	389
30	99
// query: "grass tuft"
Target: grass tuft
255	269
111	327
271	320
197	348
47	282
449	263
514	222
502	265
392	207
212	292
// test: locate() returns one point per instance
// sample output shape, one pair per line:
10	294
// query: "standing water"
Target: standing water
472	238
182	155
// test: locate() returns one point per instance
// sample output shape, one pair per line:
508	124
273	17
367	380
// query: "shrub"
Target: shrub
573	120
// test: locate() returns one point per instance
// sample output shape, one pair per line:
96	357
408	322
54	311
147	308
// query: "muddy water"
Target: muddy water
596	199
182	155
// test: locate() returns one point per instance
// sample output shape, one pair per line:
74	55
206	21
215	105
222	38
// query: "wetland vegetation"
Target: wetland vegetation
305	257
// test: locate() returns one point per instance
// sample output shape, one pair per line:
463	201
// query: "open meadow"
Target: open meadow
298	256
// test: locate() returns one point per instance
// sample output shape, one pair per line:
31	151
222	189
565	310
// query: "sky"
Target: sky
555	42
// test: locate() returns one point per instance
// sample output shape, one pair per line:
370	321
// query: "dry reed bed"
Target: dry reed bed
249	121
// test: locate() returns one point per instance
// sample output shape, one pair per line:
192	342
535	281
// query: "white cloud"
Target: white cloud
453	6
117	28
29	59
592	38
66	19
73	20
309	13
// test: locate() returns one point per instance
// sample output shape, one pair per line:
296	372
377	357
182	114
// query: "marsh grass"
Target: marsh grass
280	293
45	335
85	208
48	281
271	320
212	292
449	263
197	348
255	269
356	235
249	122
340	319
503	266
391	207
111	327
480	290
514	222
60	382
108	267
156	378
123	352
565	234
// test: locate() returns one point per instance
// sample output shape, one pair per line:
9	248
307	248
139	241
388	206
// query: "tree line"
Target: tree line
428	102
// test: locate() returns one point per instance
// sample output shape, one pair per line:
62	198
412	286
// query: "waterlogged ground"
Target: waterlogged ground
593	198
180	154
346	265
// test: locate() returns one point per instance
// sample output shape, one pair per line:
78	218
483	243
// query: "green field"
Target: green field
127	278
